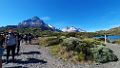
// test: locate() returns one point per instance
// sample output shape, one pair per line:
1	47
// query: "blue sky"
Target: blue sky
90	15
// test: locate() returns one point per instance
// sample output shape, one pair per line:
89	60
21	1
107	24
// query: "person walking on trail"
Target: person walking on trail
2	39
22	38
25	38
11	42
18	42
29	38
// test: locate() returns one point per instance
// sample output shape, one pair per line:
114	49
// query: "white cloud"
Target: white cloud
46	18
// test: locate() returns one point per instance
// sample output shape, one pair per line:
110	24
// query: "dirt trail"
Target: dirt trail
34	56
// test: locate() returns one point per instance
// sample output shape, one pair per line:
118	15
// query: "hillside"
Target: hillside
112	31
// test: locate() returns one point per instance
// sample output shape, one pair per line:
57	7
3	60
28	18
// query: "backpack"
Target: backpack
11	40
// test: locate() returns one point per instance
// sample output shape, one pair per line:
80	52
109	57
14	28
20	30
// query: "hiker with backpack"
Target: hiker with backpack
18	36
25	38
2	39
30	38
11	43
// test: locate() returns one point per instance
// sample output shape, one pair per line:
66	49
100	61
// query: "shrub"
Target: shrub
62	37
80	46
102	54
70	43
70	34
116	42
78	57
55	49
47	41
92	42
86	49
60	52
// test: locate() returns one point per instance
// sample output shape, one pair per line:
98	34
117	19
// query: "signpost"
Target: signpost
105	39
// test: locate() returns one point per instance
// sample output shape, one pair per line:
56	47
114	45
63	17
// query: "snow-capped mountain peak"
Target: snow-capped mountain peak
72	29
51	26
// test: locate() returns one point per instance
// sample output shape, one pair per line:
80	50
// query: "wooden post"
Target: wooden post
105	39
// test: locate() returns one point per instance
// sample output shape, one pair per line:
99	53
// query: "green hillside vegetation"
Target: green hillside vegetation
39	32
112	31
78	49
72	46
116	42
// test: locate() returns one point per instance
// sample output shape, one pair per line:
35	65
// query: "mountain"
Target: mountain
112	31
36	22
72	29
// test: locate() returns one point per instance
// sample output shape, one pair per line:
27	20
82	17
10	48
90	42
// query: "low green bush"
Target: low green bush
70	34
70	43
59	51
62	37
102	54
86	49
92	42
55	49
90	49
78	57
79	46
116	42
47	41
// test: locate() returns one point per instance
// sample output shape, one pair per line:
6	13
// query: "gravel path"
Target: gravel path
33	56
116	50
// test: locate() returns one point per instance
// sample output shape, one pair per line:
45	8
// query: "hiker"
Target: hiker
21	35
2	39
10	44
30	38
18	42
25	38
36	37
